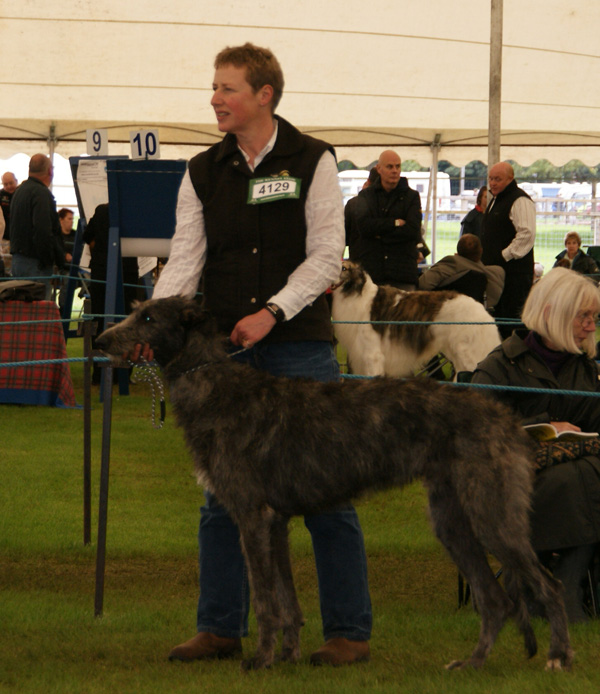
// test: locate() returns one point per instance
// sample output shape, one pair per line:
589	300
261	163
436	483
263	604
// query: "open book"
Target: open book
546	432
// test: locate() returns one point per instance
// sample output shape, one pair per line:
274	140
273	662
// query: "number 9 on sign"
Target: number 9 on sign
144	144
97	142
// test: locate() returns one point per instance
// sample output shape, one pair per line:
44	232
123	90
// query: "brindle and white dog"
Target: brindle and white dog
401	350
271	448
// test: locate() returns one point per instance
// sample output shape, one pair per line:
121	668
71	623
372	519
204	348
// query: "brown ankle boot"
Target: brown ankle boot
341	651
205	646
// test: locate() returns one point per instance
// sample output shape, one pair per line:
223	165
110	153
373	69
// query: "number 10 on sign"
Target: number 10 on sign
144	144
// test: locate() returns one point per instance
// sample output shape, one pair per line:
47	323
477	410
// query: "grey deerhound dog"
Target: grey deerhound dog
271	448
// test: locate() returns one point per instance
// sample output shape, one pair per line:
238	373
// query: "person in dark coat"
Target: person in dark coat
574	258
508	236
388	222
350	221
96	236
467	259
471	223
557	352
35	243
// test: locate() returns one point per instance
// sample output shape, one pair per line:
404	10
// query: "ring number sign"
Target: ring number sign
97	142
144	144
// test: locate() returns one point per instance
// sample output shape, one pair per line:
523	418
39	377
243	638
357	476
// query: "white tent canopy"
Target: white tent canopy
365	76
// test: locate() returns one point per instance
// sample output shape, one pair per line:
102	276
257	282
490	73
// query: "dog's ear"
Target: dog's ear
193	315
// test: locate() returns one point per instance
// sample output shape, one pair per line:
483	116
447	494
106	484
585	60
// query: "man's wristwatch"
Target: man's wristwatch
277	312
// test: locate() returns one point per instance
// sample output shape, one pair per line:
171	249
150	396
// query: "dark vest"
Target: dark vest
498	232
252	249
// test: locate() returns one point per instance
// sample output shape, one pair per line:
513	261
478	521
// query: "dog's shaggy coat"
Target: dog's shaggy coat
271	448
401	350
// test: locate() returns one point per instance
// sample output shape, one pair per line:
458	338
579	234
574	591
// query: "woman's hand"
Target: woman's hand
140	353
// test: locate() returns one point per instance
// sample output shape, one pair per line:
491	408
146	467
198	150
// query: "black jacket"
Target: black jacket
34	226
387	252
582	263
566	500
498	232
471	223
252	249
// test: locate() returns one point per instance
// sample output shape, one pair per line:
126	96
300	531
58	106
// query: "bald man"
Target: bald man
388	225
34	228
9	185
508	235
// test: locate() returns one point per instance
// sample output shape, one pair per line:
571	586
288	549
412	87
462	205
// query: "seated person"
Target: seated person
574	258
467	258
557	351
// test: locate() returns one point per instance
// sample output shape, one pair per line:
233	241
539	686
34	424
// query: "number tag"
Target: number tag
97	142
273	188
144	144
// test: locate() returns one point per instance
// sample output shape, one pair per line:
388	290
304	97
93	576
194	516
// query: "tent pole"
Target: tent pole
495	104
435	150
428	205
51	145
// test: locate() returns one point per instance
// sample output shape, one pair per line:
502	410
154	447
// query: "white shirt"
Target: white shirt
325	238
522	215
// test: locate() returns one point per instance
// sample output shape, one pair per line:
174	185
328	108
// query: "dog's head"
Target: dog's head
163	324
352	278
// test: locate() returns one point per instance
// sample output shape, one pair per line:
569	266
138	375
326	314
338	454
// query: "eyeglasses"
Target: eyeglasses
586	318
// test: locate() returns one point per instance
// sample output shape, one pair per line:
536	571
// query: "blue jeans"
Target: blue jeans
23	266
336	536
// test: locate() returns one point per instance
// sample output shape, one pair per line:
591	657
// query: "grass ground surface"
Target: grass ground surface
51	642
549	240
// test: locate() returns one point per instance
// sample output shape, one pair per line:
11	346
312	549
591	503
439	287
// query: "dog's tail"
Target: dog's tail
515	591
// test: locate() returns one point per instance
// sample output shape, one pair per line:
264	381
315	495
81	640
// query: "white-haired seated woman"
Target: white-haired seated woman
555	352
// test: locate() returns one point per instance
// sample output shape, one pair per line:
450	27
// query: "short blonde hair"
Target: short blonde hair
262	67
553	303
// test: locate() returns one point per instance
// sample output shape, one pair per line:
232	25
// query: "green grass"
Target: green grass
51	642
549	240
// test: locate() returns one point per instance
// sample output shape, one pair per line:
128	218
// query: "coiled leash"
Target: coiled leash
148	373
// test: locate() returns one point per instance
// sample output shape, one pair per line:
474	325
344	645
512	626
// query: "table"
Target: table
38	384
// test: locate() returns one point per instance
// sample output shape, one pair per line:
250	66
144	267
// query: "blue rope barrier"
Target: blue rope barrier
518	389
514	389
418	322
65	277
43	362
346	376
82	319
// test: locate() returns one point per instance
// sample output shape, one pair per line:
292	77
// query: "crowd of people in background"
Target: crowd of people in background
37	240
383	233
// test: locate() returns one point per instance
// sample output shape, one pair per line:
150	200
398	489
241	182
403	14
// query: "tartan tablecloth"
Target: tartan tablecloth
39	384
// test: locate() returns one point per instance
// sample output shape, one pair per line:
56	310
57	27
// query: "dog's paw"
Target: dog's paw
562	662
455	665
290	655
255	663
560	659
475	663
